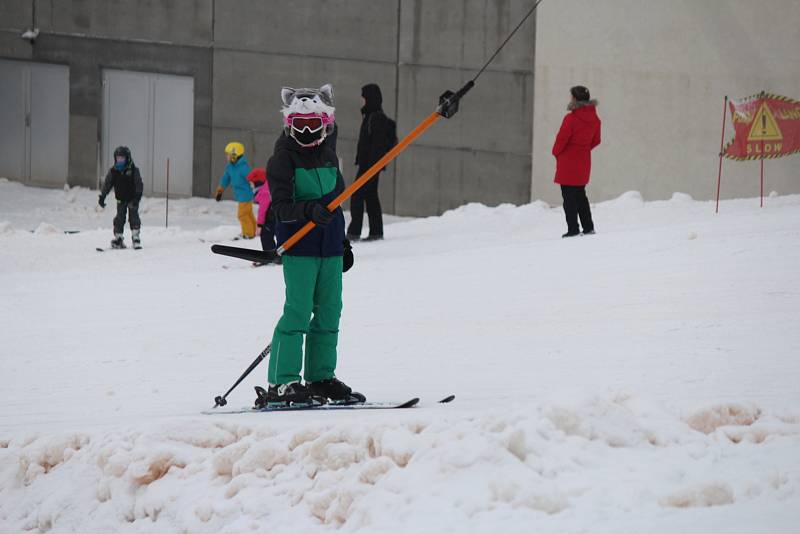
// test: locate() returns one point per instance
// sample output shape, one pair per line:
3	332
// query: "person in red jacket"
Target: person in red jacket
579	134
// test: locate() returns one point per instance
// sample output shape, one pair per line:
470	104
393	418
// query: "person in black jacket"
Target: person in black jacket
124	177
376	137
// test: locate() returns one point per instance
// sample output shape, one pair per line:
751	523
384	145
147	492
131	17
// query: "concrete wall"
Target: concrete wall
241	53
660	70
414	50
263	46
483	153
90	35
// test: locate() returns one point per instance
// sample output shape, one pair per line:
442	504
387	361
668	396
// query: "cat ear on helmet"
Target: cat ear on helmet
327	93
286	95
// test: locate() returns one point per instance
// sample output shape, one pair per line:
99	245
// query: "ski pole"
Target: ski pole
220	400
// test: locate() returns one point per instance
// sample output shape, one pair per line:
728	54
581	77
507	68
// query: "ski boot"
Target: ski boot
117	242
282	395
137	241
336	391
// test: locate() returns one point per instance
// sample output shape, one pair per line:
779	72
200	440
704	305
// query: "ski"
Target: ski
254	265
204	240
369	405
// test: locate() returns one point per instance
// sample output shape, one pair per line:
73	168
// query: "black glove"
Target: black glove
102	201
347	256
318	213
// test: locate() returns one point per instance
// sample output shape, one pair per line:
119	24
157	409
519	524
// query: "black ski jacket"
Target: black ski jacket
378	133
298	177
127	184
373	138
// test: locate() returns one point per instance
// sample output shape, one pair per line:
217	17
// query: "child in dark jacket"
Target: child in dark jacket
303	178
127	183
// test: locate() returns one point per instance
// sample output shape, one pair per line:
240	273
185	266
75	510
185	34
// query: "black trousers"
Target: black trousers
576	205
368	195
127	208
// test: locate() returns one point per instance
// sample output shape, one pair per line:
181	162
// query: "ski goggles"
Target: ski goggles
312	123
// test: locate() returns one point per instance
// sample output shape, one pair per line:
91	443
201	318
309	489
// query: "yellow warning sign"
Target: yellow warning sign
764	127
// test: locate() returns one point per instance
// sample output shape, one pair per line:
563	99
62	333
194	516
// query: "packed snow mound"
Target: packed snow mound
681	198
47	229
627	200
710	419
201	475
713	494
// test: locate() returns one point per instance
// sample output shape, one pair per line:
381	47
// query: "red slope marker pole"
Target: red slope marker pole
721	142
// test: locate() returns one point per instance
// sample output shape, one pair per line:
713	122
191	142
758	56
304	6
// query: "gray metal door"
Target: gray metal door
173	134
126	121
153	115
34	113
12	119
49	124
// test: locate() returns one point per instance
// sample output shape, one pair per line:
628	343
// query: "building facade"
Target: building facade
178	80
661	70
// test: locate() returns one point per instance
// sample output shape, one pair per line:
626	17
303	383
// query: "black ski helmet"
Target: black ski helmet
123	151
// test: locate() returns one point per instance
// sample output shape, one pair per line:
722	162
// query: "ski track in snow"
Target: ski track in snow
641	380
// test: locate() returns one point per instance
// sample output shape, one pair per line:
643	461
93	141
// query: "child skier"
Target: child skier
264	219
303	178
124	177
236	172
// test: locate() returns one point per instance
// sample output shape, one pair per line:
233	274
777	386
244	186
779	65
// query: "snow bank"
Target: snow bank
597	458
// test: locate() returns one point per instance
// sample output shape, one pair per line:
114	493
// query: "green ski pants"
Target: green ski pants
313	285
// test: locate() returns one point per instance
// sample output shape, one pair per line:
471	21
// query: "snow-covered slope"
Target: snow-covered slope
644	379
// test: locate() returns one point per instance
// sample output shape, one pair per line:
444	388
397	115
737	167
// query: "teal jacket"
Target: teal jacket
236	175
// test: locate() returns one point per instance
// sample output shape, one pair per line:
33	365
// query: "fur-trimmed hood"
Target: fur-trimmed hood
572	106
